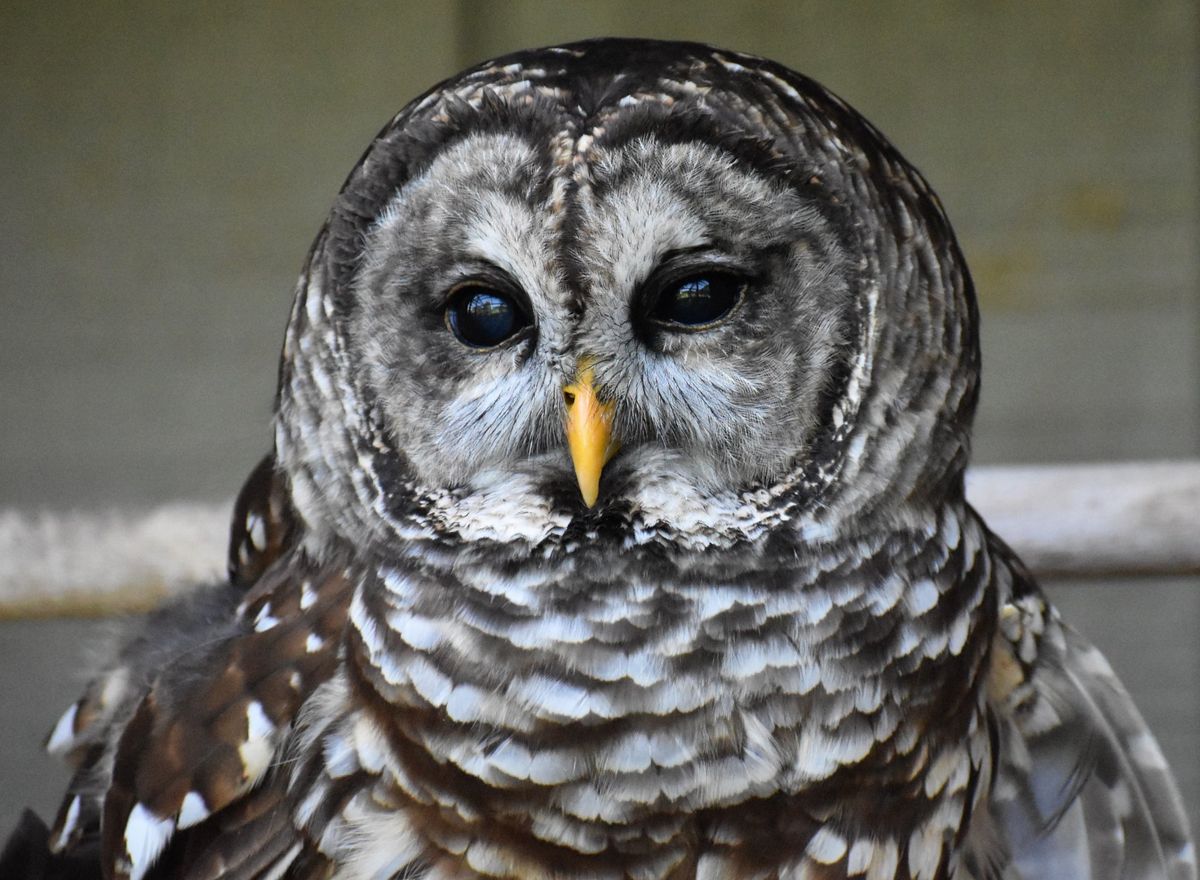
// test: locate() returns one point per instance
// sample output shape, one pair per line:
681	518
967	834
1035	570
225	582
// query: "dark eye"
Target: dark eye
699	301
482	317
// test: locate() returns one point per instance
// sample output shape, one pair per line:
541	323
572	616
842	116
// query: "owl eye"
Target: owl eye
697	302
482	317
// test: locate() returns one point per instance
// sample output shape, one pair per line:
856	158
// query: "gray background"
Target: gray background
165	166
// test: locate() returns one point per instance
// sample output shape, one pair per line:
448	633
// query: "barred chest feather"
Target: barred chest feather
750	713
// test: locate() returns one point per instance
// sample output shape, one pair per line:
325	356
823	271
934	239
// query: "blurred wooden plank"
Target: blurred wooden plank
1095	520
1082	521
99	563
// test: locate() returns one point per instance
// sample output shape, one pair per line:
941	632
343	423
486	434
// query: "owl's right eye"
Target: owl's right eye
483	317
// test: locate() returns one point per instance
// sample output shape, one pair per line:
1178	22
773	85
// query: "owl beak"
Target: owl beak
589	432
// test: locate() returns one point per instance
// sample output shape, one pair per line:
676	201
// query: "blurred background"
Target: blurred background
165	166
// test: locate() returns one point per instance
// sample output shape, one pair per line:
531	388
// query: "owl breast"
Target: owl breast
588	707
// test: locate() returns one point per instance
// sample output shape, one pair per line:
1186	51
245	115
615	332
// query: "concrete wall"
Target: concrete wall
165	167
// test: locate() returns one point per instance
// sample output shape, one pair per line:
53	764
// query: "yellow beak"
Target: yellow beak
589	432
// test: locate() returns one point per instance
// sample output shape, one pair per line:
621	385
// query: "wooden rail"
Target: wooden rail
1079	521
1095	520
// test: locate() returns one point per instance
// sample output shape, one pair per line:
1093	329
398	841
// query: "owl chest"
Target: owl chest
533	763
589	803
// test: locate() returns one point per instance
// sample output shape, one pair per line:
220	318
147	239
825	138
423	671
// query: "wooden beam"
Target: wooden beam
107	562
1095	520
1080	521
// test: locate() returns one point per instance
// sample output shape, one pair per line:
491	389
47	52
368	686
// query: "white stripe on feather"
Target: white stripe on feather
145	837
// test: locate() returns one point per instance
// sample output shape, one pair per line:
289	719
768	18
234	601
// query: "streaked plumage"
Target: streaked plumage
779	645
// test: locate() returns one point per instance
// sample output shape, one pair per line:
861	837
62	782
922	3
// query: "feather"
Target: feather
1082	790
264	524
199	741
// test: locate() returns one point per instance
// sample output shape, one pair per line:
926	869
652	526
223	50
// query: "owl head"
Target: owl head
659	289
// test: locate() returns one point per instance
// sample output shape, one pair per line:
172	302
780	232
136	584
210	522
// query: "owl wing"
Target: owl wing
264	525
209	732
177	741
1081	788
87	734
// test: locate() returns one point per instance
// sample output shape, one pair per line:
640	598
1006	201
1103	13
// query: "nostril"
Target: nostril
569	397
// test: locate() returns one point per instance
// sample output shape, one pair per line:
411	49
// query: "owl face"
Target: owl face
704	301
586	279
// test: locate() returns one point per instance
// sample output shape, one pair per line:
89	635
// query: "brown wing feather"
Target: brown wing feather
264	524
252	838
263	529
87	733
198	744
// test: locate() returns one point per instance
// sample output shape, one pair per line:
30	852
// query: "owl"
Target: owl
614	527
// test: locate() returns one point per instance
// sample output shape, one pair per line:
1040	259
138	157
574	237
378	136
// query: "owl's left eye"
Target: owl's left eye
698	302
483	317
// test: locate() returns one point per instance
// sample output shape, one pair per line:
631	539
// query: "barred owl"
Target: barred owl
615	527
